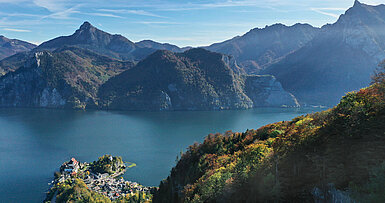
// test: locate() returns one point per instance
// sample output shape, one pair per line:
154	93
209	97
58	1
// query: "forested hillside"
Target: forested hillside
196	79
313	157
65	78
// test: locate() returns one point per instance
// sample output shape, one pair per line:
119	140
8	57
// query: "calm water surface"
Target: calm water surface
35	142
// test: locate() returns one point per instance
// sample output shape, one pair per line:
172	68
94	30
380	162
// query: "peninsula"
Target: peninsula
97	181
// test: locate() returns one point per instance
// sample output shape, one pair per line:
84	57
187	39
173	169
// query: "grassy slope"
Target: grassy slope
285	160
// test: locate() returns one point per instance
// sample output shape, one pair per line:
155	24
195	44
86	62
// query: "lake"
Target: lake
35	142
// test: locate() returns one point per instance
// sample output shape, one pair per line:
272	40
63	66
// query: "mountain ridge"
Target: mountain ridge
340	59
262	46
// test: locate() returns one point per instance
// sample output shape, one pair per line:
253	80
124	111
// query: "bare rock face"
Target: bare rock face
28	88
51	98
330	194
266	91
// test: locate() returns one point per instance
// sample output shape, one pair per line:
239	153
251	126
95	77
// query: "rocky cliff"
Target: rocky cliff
265	91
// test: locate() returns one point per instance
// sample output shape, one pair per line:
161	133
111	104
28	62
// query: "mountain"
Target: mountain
260	47
72	77
331	156
95	40
115	46
194	80
160	46
91	38
9	47
338	60
68	77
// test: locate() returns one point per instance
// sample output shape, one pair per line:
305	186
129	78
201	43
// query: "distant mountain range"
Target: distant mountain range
341	58
316	65
115	46
260	47
95	40
9	47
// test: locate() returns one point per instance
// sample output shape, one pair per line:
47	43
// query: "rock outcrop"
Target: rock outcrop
27	88
265	91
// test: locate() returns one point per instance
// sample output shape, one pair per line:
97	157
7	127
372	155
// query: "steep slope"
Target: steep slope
339	59
16	50
66	78
332	156
260	47
14	62
194	80
9	47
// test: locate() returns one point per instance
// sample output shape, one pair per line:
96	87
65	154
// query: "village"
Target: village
110	185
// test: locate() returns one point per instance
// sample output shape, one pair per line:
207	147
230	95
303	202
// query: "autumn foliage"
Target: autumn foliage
285	161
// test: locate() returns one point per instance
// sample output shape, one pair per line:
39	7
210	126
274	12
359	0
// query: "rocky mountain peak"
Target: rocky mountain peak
86	26
358	9
87	29
357	3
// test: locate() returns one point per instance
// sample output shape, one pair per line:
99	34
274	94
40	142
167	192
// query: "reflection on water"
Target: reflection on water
34	142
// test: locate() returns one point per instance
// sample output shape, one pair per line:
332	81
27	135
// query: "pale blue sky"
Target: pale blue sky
180	22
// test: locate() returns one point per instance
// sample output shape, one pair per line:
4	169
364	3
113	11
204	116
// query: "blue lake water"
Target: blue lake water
35	142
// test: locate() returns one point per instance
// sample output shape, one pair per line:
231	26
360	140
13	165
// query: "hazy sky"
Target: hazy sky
180	22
